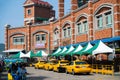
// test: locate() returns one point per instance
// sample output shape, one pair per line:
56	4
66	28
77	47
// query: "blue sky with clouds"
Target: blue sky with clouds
12	12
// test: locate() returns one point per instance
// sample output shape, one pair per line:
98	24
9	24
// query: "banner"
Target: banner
40	45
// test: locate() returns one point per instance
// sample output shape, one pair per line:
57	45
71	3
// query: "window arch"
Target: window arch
103	17
18	38
40	36
56	35
66	30
82	24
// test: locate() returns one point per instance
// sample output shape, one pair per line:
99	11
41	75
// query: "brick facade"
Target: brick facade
85	12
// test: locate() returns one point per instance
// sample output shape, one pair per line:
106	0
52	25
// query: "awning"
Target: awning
57	51
61	52
41	53
102	48
89	51
18	55
88	46
68	51
78	48
113	39
13	50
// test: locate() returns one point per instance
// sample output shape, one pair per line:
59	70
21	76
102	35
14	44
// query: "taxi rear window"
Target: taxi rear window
63	62
77	63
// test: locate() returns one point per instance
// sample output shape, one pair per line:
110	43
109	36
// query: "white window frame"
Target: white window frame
64	32
105	25
69	31
29	11
43	41
36	37
40	36
81	27
98	20
17	40
85	24
56	37
106	15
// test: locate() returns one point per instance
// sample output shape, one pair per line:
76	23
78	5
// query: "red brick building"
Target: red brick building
88	20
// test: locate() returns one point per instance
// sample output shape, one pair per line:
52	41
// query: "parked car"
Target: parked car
39	64
49	65
78	66
58	67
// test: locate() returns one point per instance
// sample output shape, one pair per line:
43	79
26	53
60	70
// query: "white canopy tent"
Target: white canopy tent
62	51
41	53
78	49
88	47
57	51
21	54
102	48
70	49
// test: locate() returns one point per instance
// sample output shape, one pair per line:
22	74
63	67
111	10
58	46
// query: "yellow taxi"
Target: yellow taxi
49	65
59	66
78	67
39	64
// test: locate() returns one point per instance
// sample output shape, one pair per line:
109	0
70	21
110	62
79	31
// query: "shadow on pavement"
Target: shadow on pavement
36	78
79	74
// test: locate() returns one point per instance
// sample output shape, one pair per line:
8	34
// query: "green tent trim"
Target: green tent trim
67	51
16	55
61	52
89	51
79	52
56	52
73	52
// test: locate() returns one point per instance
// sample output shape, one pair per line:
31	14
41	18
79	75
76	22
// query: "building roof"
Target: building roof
41	2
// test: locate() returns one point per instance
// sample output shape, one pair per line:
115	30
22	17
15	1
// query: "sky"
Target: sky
12	12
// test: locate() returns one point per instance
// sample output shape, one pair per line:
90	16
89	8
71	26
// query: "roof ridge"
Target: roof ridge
41	2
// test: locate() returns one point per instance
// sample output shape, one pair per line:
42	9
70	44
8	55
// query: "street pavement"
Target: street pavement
40	74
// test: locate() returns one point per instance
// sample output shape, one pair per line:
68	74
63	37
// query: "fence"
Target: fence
103	69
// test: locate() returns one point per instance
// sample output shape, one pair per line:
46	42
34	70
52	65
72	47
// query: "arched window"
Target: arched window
18	40
56	36
82	25
103	17
66	31
41	38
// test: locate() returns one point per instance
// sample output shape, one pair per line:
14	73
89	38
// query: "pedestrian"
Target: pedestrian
22	72
14	69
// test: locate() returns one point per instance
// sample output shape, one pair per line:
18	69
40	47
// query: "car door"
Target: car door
70	67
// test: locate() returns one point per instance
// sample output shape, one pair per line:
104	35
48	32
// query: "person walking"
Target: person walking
22	72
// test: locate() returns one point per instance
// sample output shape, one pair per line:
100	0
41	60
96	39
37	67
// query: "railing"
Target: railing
103	69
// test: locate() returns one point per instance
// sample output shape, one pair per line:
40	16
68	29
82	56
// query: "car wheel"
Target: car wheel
73	73
87	73
58	70
66	71
48	69
53	70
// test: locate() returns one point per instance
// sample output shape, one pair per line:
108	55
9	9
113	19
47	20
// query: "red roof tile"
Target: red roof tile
41	2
